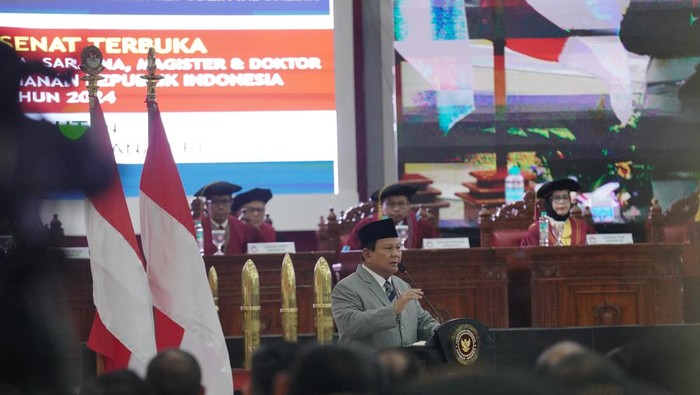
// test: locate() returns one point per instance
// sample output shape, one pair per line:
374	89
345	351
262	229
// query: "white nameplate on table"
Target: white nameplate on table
76	252
282	247
609	238
446	243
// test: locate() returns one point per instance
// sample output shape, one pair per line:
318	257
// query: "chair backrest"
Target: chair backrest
507	226
671	226
333	231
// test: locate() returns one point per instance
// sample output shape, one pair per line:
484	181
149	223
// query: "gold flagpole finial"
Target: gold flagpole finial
91	64
151	78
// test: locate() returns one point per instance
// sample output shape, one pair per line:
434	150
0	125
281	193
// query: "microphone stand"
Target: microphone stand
402	269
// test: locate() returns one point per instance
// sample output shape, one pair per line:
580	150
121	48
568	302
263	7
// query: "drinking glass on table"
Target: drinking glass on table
218	237
402	231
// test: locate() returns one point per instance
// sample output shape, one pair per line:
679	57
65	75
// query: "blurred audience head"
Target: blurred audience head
484	382
399	366
552	355
667	362
333	369
120	382
270	369
174	372
588	373
36	158
579	371
12	70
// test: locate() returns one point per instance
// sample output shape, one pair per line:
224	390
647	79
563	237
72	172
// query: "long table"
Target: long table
539	286
606	285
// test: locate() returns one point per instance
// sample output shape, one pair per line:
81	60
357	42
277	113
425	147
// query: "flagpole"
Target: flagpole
91	65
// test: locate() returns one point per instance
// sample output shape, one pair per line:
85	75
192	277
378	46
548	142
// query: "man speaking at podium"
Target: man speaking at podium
372	307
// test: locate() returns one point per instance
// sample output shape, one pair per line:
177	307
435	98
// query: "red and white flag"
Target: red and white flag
186	315
123	331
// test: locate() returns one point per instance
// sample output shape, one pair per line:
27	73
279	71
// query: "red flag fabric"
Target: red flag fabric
122	331
186	316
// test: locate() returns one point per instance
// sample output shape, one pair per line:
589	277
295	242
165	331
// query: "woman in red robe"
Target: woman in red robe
564	230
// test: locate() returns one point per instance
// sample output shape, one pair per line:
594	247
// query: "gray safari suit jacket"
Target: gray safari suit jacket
365	317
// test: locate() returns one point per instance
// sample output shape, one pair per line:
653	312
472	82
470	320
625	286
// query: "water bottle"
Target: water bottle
544	229
199	234
515	185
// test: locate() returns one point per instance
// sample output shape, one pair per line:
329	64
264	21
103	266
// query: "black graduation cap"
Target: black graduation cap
255	194
217	188
377	230
547	189
407	190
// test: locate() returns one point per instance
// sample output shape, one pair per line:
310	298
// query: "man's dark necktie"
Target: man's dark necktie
390	291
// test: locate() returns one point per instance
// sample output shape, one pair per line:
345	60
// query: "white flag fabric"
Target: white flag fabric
123	331
186	316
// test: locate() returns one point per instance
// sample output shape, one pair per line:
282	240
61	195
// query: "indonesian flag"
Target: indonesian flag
122	331
186	315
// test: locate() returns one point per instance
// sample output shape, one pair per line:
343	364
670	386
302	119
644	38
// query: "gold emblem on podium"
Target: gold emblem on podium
465	344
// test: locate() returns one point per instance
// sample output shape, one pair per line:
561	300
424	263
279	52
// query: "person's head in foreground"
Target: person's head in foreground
331	369
174	372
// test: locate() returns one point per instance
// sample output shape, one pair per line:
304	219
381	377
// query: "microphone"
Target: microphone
402	269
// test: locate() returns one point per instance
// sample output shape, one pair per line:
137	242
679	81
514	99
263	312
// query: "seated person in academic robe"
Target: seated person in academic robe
563	229
374	309
395	203
249	207
218	197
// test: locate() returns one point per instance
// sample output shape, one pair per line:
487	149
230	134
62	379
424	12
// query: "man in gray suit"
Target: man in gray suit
372	307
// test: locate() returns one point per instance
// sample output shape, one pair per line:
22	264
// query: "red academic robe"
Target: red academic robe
579	230
264	234
237	236
417	231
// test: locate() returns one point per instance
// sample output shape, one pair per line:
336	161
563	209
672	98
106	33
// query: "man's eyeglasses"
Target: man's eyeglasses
253	210
397	204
